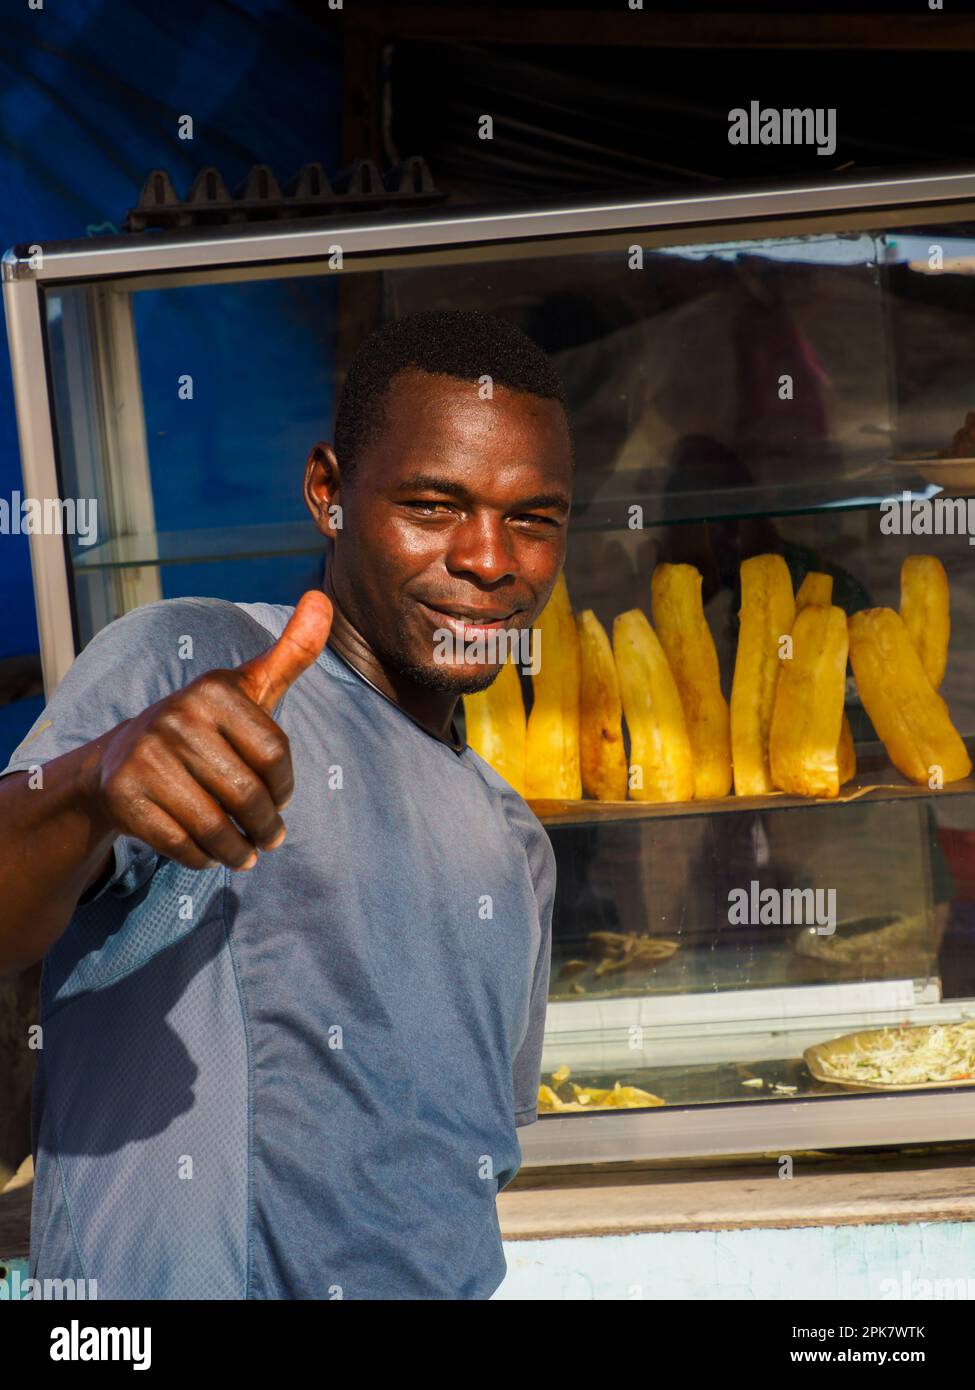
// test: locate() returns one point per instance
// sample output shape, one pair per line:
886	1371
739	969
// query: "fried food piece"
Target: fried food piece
496	726
846	757
815	588
908	714
818	588
768	611
549	1101
804	735
679	621
602	756
552	767
625	951
926	610
573	967
661	764
592	1097
619	1098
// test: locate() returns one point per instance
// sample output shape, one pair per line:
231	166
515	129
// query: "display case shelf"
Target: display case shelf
878	783
285	538
203	545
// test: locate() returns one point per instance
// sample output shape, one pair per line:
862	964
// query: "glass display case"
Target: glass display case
780	371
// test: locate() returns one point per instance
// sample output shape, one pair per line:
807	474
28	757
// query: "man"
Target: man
284	1055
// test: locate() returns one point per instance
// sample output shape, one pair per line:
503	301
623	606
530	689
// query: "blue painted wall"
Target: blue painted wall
921	1261
90	99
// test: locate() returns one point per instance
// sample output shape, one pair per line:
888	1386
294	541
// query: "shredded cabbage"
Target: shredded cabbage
909	1056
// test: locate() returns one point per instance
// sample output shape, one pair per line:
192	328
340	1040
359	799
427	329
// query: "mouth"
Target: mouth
470	623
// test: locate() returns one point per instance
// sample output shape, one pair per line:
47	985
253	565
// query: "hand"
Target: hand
201	775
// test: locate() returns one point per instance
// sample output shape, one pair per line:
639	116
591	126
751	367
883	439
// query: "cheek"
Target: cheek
381	580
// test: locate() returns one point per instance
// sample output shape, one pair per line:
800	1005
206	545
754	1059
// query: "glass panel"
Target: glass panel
188	414
728	399
672	360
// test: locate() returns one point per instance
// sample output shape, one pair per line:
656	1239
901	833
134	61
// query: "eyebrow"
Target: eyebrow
430	482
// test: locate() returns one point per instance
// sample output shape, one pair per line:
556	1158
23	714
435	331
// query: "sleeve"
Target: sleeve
528	1063
127	666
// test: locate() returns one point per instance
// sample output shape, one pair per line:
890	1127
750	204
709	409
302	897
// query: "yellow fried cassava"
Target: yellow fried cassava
926	610
767	614
602	755
552	768
909	715
804	737
661	765
679	621
818	588
496	726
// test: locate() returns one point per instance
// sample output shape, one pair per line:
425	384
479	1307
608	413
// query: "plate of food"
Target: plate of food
615	959
905	945
952	468
952	475
910	1058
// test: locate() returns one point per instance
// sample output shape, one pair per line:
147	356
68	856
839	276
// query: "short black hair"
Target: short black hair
461	343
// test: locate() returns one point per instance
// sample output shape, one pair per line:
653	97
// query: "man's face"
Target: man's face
454	525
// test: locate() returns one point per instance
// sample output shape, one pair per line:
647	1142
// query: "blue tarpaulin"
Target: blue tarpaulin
91	96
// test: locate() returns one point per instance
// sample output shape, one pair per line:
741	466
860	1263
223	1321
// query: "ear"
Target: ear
321	488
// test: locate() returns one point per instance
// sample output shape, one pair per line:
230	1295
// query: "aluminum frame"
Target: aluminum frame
365	232
750	1128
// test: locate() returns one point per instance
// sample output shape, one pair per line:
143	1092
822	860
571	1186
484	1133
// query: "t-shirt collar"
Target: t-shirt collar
337	666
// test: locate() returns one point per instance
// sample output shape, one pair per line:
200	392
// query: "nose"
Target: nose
481	547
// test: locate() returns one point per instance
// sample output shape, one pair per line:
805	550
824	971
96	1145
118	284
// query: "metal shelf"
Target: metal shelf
864	787
589	514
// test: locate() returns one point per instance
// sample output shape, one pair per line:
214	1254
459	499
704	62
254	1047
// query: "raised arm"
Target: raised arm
200	776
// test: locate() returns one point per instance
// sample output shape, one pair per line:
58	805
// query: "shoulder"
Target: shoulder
134	661
207	631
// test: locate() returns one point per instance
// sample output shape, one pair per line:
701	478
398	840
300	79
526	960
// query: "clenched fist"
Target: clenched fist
202	774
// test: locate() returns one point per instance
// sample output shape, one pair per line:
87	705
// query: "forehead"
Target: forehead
451	419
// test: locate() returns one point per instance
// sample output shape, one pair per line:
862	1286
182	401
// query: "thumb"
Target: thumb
265	678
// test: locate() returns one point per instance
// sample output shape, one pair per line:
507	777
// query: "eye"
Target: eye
535	519
427	508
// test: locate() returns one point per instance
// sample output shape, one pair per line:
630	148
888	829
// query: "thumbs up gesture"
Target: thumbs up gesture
201	775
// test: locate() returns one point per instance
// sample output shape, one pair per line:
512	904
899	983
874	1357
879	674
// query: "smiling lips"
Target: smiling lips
471	622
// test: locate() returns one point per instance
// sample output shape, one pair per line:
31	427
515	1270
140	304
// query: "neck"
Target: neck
433	710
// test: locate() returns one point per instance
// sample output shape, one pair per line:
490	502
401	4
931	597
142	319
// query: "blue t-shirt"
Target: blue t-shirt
300	1081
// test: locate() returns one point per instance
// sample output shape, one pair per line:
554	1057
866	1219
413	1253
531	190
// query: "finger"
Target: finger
258	740
156	828
216	766
265	678
198	814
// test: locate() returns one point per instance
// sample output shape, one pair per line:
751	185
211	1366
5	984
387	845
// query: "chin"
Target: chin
458	680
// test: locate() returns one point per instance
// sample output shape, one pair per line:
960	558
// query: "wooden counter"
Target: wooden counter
824	1190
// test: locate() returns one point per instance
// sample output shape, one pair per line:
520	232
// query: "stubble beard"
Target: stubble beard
466	680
